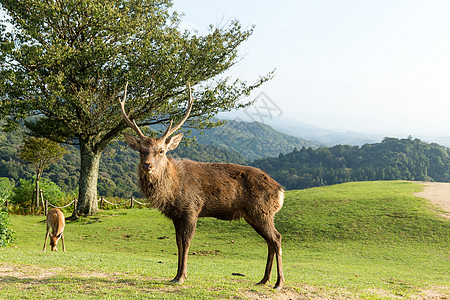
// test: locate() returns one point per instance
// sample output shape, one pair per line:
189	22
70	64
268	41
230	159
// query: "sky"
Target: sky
365	66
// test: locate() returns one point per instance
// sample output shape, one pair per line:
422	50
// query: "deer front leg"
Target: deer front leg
184	230
45	241
180	255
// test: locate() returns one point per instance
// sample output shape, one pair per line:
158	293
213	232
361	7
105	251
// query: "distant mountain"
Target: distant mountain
315	134
328	137
252	140
331	137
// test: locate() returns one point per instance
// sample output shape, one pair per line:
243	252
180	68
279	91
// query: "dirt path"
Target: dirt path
439	194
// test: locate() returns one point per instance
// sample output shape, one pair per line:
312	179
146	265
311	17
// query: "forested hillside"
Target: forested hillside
399	159
252	140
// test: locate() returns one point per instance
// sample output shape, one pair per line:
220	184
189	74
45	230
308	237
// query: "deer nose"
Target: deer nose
147	167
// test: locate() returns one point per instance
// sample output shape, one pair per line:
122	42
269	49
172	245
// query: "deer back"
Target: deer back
55	222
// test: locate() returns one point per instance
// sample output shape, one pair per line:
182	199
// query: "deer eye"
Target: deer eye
161	152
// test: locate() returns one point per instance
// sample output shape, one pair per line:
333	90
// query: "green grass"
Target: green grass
370	240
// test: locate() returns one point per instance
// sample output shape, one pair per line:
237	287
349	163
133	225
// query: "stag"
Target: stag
184	190
55	228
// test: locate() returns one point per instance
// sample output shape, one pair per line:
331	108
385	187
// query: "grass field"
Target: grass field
368	240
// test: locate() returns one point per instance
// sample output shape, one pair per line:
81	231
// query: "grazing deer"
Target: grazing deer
55	228
185	190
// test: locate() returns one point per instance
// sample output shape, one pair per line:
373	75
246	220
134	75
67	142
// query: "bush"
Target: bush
23	194
6	235
6	189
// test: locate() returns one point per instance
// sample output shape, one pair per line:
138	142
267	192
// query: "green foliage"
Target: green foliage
74	73
6	234
6	191
24	192
392	159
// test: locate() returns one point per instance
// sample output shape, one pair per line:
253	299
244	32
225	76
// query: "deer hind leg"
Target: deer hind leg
184	230
265	227
280	279
62	241
270	257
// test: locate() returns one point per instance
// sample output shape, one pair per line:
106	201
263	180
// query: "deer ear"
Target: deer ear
173	141
132	141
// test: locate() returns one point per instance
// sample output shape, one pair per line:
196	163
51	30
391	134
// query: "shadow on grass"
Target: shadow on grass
97	287
80	281
84	220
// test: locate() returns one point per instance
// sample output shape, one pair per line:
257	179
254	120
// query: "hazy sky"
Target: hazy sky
367	66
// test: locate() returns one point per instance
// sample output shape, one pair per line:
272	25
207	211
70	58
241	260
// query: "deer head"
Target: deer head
54	240
153	150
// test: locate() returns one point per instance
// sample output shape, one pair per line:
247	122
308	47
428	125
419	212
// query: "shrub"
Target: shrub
6	235
6	189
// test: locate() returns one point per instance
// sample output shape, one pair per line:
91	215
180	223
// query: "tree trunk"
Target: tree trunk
37	193
87	200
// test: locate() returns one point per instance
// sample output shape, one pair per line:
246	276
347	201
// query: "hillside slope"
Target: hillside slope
252	140
371	211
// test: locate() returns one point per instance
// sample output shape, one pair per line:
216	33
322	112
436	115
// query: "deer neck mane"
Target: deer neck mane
160	188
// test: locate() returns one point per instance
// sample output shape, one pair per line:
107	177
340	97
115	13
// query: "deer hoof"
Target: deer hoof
176	281
277	287
262	282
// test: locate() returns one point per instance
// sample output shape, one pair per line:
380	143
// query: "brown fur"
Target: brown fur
55	228
184	190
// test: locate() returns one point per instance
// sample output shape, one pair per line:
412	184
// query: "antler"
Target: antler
132	124
170	130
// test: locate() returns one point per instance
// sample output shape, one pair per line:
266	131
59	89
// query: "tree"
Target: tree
41	153
67	61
